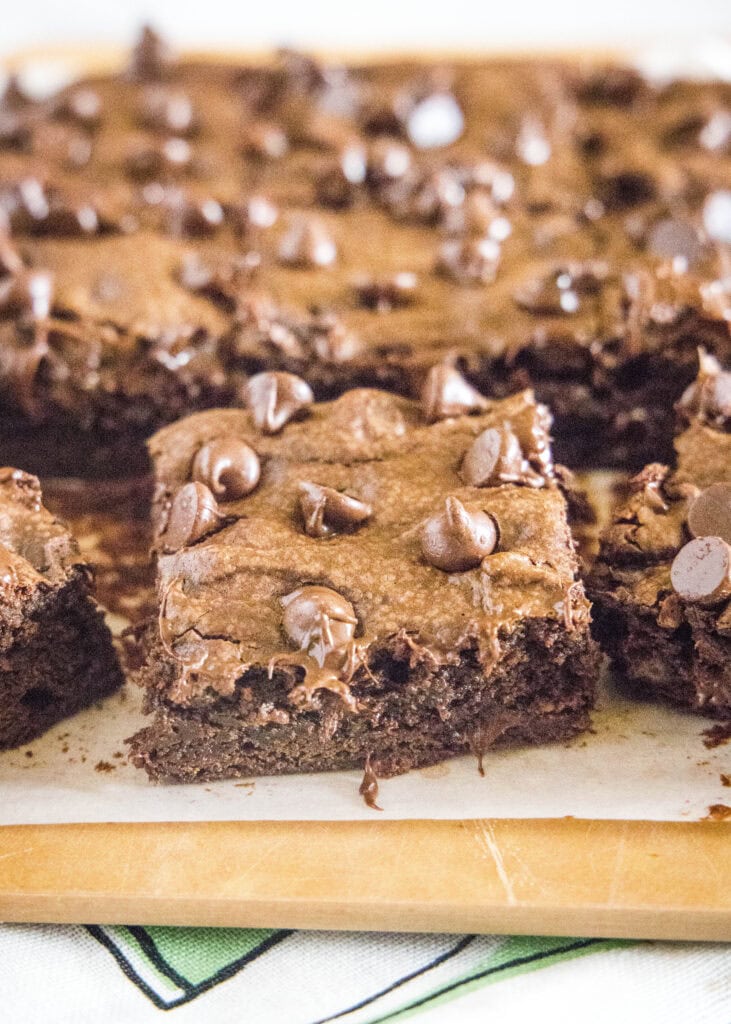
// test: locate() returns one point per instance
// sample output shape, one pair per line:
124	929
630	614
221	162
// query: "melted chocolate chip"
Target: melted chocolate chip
495	457
469	260
228	467
326	511
274	398
307	244
709	515
446	393
701	571
387	293
193	514
456	540
368	788
318	617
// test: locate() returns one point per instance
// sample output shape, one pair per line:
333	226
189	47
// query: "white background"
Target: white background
391	24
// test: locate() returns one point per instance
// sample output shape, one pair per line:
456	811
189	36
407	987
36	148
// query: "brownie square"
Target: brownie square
56	653
178	225
661	584
362	580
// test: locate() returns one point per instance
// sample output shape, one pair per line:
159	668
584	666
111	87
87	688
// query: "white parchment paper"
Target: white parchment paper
641	762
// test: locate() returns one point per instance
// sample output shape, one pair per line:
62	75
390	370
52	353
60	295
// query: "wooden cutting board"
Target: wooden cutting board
566	877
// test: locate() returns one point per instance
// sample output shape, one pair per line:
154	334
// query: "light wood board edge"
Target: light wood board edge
562	877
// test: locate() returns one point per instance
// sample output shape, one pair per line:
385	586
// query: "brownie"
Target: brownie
56	653
662	583
177	226
365	580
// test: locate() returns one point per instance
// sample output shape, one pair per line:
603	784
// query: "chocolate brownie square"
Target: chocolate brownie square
366	580
662	584
56	653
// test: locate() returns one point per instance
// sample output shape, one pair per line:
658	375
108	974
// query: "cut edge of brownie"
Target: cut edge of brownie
56	651
541	691
59	660
665	643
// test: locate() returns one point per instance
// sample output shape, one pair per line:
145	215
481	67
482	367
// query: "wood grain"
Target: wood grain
565	877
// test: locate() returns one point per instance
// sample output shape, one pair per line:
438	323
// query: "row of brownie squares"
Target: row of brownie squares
181	225
375	580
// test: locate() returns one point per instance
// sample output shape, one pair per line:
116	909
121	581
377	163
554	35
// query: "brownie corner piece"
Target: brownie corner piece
662	584
56	652
362	579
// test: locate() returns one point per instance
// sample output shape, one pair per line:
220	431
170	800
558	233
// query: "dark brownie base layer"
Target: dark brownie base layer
541	691
57	658
689	666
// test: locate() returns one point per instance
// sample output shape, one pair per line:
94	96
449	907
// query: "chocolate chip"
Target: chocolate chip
434	121
320	618
469	260
265	141
612	86
456	540
150	57
167	111
274	398
388	161
446	393
387	293
150	161
709	397
715	135
82	106
532	144
228	467
701	571
495	457
253	217
675	240
34	208
331	341
625	189
222	281
26	291
338	184
10	259
709	515
476	215
191	216
193	514
717	216
307	244
326	511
